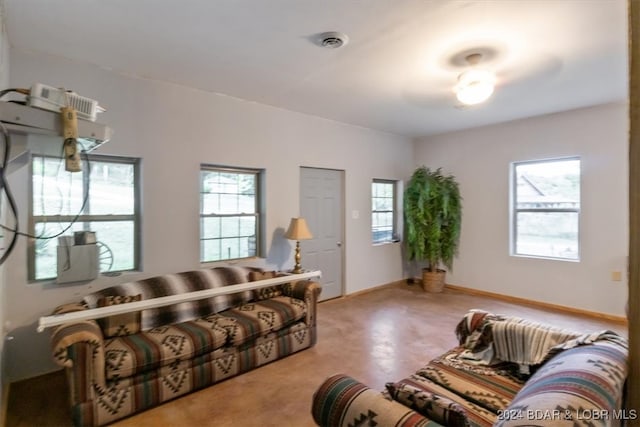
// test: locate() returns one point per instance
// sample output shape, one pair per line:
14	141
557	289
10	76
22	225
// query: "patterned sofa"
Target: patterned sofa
573	380
130	362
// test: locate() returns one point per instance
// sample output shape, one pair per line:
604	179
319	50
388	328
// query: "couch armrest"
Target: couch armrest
79	347
342	401
582	382
307	291
302	289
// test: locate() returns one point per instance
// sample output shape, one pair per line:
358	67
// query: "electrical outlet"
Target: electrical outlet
616	276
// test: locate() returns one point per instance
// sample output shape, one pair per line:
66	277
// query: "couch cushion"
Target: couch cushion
574	386
433	406
476	414
120	324
256	319
129	355
268	292
490	387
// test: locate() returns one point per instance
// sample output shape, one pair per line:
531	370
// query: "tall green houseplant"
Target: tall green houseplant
433	217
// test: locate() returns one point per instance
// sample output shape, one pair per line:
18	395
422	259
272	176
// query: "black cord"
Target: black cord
5	187
14	89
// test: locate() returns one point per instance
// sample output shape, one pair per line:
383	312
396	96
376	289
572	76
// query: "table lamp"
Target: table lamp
298	230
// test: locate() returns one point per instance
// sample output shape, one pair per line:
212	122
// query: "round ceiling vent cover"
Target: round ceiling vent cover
333	39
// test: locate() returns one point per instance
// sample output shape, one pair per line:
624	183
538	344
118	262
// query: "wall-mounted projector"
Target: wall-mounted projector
37	126
52	99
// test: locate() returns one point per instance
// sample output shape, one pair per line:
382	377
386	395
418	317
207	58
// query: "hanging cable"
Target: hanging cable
6	140
73	220
4	185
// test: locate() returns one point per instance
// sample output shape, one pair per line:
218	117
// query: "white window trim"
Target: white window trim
394	232
513	211
259	208
135	217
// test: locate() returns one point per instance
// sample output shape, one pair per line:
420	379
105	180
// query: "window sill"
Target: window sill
388	242
228	262
546	258
51	283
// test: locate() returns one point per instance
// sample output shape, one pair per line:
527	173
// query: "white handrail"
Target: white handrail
97	313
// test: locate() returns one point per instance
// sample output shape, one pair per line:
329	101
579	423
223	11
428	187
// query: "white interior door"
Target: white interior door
321	204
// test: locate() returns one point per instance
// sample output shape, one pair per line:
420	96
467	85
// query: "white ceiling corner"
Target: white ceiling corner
396	73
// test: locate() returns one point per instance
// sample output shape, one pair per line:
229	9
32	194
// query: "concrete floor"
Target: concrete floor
380	336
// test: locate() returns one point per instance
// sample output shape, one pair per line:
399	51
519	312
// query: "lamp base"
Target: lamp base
297	269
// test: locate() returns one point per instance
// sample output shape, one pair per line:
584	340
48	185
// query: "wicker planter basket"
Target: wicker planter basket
433	281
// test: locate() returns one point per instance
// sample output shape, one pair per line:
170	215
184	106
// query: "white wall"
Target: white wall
480	159
174	129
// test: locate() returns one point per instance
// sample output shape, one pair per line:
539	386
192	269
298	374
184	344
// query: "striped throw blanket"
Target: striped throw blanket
174	284
526	343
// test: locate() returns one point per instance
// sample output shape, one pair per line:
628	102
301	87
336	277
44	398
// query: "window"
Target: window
111	209
230	214
383	211
546	208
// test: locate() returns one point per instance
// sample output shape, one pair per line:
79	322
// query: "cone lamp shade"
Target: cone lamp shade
298	230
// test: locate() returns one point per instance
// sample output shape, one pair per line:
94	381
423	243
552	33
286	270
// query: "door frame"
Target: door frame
343	222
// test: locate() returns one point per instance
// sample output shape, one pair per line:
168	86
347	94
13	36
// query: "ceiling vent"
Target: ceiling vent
333	39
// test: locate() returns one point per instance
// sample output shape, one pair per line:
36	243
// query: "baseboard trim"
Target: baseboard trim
538	304
376	288
368	290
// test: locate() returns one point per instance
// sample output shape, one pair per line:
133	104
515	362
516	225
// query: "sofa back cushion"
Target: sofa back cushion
477	415
173	284
491	387
120	324
433	406
572	387
269	291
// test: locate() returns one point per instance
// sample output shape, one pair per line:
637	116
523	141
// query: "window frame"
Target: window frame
136	217
394	231
514	210
259	214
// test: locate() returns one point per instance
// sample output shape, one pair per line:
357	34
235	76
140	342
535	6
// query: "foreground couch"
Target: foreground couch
127	363
506	372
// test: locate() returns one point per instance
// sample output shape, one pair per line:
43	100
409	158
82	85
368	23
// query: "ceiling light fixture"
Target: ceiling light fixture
475	85
333	39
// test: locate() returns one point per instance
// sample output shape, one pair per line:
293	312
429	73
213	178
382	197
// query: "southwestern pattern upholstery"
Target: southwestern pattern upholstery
431	405
121	324
580	375
343	401
576	383
200	343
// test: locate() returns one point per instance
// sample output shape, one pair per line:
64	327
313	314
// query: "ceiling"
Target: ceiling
396	73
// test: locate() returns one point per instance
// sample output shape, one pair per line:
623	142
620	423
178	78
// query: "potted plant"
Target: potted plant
433	216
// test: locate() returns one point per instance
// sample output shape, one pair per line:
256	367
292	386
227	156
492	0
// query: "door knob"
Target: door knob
339	244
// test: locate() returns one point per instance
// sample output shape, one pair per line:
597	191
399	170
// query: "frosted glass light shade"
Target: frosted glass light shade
475	86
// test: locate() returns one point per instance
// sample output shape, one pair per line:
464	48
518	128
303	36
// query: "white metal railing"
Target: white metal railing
97	313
